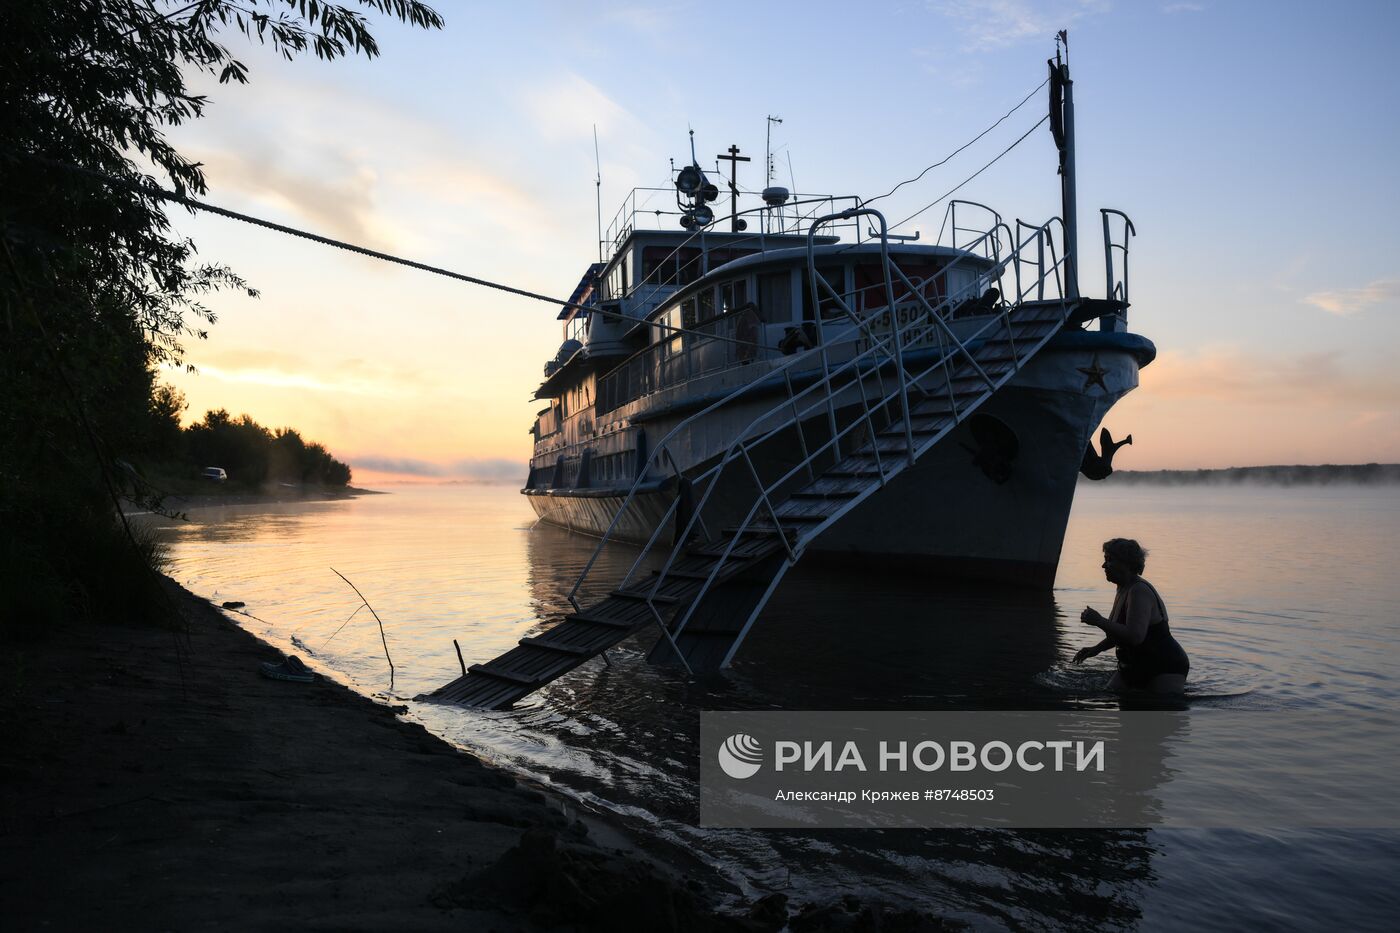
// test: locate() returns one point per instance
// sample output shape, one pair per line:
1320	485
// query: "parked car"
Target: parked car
214	474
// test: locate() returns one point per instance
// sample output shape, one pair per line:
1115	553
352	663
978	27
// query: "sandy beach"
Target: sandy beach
153	780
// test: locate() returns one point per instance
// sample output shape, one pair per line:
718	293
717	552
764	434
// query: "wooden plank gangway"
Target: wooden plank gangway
552	653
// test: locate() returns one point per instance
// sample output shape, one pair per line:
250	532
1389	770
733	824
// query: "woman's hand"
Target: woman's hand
1091	616
1084	654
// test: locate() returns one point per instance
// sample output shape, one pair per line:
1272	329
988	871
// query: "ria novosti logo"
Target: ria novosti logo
741	756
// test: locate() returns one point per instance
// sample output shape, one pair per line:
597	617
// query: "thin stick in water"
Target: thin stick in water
343	624
384	640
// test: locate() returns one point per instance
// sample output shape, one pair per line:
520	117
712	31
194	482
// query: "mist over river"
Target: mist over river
1286	599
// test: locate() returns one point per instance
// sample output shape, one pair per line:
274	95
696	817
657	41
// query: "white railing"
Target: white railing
655	209
870	355
1116	285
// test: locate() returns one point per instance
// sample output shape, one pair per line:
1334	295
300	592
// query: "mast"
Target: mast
735	224
1062	127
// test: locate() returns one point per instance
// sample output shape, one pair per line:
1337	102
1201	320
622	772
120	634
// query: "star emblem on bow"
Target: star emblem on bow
1093	375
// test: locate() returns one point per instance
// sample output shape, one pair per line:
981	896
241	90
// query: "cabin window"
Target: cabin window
775	297
691	265
835	277
705	305
663	265
870	283
870	286
668	336
719	257
733	294
961	283
653	263
576	328
614	284
666	325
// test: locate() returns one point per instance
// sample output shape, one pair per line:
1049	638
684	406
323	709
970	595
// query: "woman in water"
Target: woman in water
1149	658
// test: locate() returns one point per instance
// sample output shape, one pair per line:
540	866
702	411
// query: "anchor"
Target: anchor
1099	465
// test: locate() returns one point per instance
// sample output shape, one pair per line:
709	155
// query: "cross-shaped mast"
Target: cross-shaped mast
734	159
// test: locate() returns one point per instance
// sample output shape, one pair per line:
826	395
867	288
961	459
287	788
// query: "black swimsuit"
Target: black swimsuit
1157	653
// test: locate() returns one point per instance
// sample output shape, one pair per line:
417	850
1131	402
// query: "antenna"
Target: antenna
598	189
768	148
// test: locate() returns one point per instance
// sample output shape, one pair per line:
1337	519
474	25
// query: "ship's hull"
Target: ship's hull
945	517
950	514
592	512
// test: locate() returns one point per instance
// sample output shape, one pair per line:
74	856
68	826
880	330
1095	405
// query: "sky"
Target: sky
1254	145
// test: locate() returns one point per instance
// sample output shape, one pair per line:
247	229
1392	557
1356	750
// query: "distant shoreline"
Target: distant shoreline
263	496
1365	474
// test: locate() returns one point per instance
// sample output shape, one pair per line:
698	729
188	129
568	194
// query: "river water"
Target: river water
1286	599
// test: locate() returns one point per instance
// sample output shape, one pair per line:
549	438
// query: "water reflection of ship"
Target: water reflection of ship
863	641
954	646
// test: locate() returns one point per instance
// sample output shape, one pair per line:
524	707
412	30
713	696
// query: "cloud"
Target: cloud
489	470
364	170
1345	301
495	199
568	106
1228	374
344	377
408	466
653	20
496	468
993	24
1182	8
336	198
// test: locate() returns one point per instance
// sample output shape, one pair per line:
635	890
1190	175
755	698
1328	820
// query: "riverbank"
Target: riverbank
153	780
217	497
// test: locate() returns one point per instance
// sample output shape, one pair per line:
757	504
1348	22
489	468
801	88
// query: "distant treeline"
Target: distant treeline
99	289
251	454
1367	474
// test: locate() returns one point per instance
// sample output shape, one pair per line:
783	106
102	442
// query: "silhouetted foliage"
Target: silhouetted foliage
95	291
253	455
166	405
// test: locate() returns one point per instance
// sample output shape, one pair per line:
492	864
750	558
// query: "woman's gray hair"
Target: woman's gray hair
1126	551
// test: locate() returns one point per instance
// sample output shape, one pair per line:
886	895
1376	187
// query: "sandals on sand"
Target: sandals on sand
290	669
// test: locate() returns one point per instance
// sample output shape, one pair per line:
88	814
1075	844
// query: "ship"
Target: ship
794	382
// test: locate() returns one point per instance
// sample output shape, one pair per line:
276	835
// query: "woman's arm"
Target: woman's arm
1137	614
1084	654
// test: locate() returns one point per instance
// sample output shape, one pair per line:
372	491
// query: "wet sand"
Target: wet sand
153	780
